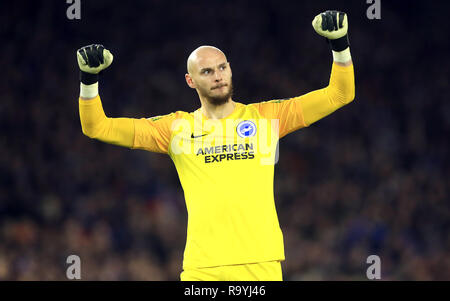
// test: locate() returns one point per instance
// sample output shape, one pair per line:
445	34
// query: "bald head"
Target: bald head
210	74
202	56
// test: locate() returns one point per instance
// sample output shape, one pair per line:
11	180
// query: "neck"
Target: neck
212	111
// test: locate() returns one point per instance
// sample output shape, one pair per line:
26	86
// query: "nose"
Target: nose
217	77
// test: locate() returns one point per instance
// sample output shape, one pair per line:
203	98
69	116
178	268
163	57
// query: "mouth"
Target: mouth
219	86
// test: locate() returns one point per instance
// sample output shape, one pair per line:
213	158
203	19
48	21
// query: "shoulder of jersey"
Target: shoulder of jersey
280	100
177	114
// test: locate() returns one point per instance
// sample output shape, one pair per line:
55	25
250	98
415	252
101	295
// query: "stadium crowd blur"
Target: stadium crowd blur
372	178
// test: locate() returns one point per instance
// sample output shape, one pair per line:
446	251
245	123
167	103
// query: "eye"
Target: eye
223	67
205	72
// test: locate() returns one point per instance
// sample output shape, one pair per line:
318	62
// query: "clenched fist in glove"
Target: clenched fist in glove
92	59
333	25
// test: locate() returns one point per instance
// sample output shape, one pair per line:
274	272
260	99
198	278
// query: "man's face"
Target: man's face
211	76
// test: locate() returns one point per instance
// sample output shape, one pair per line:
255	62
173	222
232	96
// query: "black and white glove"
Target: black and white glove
92	60
333	25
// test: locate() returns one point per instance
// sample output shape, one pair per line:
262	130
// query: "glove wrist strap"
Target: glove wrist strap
342	56
88	91
339	44
88	78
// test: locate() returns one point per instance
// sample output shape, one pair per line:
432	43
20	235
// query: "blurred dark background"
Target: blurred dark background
372	178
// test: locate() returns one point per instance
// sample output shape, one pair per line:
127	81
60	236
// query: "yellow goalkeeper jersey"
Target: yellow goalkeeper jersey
225	166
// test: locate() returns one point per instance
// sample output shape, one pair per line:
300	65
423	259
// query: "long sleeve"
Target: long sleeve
95	124
151	134
301	111
340	91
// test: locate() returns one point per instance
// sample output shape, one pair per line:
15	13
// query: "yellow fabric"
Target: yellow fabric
227	179
231	210
94	123
340	91
263	271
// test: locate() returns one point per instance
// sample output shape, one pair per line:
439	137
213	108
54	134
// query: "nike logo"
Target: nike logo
193	137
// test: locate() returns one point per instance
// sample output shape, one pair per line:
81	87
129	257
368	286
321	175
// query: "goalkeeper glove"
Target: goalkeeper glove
92	60
333	25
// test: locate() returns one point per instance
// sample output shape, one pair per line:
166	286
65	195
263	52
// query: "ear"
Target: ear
189	81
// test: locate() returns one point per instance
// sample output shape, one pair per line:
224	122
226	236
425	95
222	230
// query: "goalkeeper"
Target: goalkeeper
233	230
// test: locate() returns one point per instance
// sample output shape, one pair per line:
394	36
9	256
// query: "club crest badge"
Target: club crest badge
246	129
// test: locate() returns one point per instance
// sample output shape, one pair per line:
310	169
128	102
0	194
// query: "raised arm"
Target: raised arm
301	111
95	124
339	92
119	131
315	105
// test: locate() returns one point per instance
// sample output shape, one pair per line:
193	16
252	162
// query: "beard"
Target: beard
223	99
